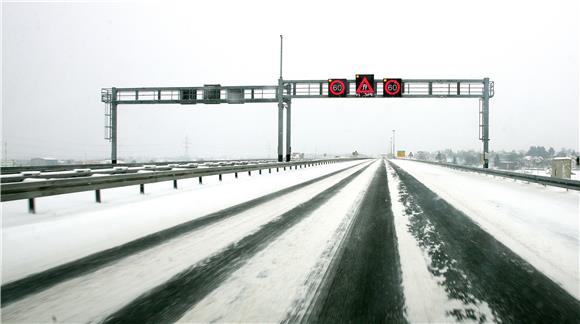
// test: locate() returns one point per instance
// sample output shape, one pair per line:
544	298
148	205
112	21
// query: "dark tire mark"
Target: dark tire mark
515	291
366	284
21	288
169	301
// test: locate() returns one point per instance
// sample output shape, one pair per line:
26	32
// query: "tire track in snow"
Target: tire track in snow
281	279
168	302
94	296
474	266
364	285
428	268
21	288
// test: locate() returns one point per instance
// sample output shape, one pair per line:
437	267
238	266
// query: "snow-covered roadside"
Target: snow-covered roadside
540	224
425	299
283	278
92	297
33	247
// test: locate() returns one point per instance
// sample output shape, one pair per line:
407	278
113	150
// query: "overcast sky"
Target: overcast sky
57	56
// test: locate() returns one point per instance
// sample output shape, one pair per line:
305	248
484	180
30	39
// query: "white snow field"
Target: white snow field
540	224
121	282
68	227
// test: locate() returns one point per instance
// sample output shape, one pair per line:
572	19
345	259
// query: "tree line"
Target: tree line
534	157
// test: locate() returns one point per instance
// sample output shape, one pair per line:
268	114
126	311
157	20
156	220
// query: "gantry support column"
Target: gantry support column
114	126
288	132
485	120
280	122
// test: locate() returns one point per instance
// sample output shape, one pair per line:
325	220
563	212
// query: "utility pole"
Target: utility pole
281	40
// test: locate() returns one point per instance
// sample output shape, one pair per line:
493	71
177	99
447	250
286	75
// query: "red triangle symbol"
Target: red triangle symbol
365	87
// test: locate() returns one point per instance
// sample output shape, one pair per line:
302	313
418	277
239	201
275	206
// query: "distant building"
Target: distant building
562	167
507	165
532	161
43	161
297	156
7	163
422	155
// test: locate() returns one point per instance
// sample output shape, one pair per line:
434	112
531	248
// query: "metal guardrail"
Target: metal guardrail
546	181
70	167
42	188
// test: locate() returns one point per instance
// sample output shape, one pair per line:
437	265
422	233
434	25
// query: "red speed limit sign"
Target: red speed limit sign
392	87
337	87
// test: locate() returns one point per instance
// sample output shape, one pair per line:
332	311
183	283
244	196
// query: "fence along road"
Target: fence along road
546	181
35	189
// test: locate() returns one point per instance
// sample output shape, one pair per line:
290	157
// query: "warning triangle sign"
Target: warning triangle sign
365	87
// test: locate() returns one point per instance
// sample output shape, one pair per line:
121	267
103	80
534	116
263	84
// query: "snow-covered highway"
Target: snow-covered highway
357	241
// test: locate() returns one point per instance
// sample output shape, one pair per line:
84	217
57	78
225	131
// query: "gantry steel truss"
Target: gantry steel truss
284	92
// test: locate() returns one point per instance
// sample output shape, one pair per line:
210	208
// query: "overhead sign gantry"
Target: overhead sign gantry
363	86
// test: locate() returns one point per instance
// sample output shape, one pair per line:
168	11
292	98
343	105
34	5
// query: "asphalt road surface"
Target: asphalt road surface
362	282
473	266
366	286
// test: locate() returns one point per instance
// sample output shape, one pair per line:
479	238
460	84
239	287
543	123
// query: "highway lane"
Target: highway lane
18	289
279	283
366	284
133	269
476	269
228	265
168	302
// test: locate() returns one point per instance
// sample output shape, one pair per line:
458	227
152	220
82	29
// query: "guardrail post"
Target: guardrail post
98	196
142	188
174	184
31	207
